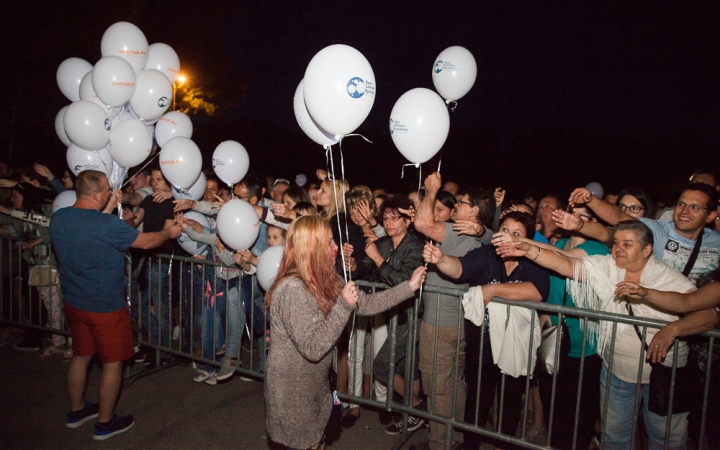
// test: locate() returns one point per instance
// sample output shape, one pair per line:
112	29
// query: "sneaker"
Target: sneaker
117	425
204	375
140	356
89	412
51	350
212	381
227	368
413	423
28	344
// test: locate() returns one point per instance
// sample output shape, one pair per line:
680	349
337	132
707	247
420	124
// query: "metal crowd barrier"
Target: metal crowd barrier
520	440
180	301
30	294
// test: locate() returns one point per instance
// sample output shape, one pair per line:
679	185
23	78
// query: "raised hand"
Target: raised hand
467	227
512	249
580	196
433	182
499	195
567	221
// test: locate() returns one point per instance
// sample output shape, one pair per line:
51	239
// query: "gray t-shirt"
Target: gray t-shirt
450	308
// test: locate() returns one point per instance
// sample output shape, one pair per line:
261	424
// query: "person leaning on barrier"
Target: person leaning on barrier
442	313
575	246
510	278
90	247
632	260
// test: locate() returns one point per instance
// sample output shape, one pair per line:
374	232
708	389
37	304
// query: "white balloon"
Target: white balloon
69	75
60	126
113	80
125	40
172	124
268	265
307	124
79	160
87	125
162	57
152	96
454	72
339	89
419	124
64	200
181	162
237	224
194	192
88	93
132	112
300	179
187	244
596	189
230	162
130	143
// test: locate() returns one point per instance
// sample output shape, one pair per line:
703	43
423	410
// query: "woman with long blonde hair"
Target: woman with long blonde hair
309	307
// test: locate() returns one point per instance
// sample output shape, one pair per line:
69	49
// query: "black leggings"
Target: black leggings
512	401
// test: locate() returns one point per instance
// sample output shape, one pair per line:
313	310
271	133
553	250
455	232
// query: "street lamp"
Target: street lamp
180	81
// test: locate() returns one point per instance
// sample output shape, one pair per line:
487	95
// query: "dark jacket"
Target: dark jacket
399	263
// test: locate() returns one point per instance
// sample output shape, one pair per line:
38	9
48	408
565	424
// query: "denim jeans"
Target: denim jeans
619	418
250	296
213	313
157	324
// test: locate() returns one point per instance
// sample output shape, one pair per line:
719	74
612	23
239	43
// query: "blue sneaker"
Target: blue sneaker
117	425
75	419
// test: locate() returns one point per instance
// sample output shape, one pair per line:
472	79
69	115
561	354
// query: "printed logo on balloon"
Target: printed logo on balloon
439	66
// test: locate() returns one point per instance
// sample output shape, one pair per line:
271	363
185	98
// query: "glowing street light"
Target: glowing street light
180	81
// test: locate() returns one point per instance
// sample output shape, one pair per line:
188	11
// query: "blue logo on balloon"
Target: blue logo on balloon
356	87
439	66
392	126
78	169
163	102
107	124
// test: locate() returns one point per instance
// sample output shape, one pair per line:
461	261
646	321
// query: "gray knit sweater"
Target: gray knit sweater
297	391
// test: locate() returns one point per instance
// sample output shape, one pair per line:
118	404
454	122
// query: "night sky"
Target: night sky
566	93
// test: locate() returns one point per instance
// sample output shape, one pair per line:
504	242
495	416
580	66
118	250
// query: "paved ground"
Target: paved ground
171	411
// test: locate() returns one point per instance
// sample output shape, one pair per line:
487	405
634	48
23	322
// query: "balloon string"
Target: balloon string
337	214
451	101
347	232
141	169
402	173
355	134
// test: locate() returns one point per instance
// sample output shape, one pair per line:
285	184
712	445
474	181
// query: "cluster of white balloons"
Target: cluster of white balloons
336	95
419	121
117	101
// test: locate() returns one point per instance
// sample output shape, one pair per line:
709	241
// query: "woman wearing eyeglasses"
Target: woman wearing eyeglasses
391	260
634	202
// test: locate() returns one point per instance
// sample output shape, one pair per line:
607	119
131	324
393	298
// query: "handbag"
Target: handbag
688	387
548	344
43	276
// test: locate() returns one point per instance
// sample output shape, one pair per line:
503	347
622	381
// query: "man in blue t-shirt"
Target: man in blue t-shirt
90	246
674	241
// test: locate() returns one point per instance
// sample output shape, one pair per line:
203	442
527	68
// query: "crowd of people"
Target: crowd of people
614	254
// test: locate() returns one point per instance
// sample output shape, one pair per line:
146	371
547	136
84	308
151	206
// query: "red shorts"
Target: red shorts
107	334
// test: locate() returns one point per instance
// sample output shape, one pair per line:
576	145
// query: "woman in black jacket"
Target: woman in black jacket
391	260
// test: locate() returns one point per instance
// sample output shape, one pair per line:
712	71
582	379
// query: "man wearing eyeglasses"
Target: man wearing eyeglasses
674	241
472	214
278	188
